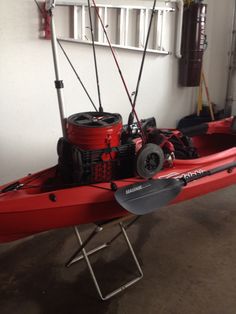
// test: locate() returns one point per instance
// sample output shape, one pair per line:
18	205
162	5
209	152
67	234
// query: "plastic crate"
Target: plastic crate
88	167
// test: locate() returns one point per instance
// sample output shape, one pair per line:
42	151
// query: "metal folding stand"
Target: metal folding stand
85	255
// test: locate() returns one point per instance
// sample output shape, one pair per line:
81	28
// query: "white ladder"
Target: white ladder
127	25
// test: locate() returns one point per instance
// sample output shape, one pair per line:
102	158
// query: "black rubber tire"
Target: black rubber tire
149	161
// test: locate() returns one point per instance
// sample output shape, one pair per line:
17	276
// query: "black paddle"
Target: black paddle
146	197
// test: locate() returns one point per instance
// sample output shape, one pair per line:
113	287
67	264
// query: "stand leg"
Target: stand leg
125	227
91	236
131	248
86	255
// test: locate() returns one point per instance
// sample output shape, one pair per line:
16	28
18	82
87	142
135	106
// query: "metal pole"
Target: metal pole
58	82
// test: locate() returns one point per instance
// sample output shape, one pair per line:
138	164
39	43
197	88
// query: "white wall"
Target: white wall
216	59
29	119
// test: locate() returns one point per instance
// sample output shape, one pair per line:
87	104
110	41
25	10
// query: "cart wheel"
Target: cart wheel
149	161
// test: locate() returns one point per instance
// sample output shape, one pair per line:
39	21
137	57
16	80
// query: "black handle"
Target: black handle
210	172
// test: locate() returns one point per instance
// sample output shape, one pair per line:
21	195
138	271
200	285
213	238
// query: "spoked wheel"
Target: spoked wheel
149	161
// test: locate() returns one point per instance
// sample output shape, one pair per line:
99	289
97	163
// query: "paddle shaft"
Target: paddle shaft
145	197
188	179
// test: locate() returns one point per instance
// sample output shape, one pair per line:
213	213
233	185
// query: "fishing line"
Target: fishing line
95	57
69	61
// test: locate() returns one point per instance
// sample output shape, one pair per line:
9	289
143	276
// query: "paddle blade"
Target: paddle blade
145	197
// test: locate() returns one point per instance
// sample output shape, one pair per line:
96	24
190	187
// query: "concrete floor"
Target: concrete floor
187	253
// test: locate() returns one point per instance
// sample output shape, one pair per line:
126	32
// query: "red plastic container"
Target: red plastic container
94	130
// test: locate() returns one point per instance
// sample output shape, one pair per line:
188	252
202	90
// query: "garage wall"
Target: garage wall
29	119
219	29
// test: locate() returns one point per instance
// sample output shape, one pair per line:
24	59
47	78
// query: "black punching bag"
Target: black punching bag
193	44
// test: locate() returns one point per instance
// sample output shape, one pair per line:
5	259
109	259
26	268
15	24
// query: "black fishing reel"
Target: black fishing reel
149	161
132	129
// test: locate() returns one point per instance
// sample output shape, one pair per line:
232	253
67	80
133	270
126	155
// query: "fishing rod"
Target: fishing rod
76	74
119	70
69	61
131	118
95	57
40	9
112	51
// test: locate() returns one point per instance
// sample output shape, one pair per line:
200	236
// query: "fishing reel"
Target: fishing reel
132	129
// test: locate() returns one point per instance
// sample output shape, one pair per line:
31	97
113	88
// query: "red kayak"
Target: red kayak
106	170
28	206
